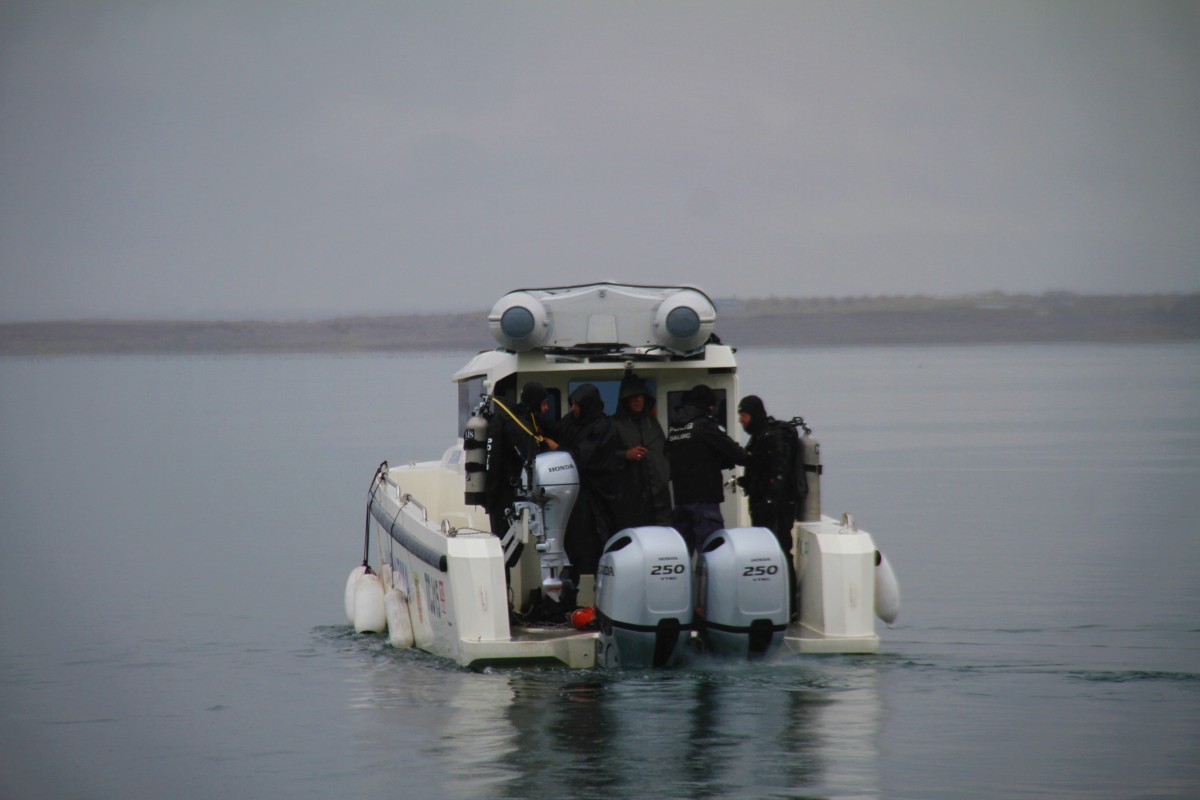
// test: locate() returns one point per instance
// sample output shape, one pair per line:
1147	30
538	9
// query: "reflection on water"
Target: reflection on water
713	730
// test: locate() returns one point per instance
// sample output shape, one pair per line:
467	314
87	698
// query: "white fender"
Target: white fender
887	590
400	629
351	584
369	614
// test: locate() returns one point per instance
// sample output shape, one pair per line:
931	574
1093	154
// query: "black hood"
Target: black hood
753	405
701	396
532	396
632	386
591	404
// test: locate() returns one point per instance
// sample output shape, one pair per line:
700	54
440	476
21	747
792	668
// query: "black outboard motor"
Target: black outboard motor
644	598
743	593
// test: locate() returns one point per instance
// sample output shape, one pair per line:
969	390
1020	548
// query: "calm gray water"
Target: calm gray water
176	535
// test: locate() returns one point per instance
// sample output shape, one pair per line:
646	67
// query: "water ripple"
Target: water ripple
1135	675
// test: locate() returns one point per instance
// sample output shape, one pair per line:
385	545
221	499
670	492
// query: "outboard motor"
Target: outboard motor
547	505
644	598
475	462
743	593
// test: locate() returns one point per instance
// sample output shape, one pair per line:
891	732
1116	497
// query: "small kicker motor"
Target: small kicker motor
546	505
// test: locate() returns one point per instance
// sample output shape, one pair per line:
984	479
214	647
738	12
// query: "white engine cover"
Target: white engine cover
743	593
644	598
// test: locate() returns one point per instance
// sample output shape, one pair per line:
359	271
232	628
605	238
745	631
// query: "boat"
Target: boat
445	583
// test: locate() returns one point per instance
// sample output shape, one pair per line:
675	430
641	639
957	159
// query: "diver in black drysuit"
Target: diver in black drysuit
513	440
589	436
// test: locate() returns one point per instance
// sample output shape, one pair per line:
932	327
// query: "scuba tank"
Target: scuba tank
807	472
475	447
810	448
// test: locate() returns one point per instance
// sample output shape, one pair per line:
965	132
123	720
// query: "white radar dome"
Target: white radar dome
684	320
519	321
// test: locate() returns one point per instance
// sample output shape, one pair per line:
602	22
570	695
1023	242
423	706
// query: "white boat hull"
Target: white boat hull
455	585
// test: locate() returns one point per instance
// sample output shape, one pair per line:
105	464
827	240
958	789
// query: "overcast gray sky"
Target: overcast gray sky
298	159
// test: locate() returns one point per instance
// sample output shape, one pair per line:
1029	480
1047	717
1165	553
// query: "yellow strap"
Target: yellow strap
535	434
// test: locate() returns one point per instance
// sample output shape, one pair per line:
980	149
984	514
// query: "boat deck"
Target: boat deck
576	649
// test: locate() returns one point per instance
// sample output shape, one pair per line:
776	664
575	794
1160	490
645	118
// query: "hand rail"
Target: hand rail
408	498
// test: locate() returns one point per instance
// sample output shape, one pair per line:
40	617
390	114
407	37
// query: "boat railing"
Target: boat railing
408	498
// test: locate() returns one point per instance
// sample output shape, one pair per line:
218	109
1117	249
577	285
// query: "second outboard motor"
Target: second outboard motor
548	503
644	598
743	593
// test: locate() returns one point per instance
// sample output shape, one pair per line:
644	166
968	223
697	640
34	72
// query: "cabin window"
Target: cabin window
675	403
469	392
555	398
506	389
610	392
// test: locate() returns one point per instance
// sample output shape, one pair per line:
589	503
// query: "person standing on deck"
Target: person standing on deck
588	435
515	436
645	479
698	449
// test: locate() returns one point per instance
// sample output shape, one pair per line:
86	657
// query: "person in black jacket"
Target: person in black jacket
698	449
588	435
769	479
515	436
646	475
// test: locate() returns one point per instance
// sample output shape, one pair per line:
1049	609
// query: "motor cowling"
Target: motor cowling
475	461
742	593
644	598
555	487
550	498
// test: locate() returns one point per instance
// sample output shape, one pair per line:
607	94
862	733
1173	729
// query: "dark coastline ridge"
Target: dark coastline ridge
993	318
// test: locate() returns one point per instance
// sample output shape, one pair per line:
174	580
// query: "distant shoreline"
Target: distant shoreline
993	318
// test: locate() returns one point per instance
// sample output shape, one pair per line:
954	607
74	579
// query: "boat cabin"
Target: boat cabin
564	338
